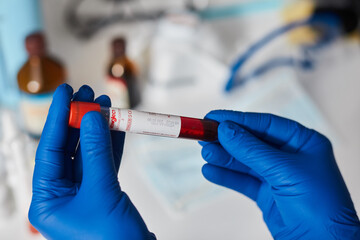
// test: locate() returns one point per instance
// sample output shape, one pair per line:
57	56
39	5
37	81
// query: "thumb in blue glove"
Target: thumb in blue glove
289	170
81	198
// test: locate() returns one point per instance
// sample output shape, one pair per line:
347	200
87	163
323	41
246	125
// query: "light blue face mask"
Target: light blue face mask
172	167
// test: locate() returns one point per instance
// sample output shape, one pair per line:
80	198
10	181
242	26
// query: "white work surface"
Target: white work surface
231	216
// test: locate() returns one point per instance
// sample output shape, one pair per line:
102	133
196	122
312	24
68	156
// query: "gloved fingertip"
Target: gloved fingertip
223	115
87	90
93	122
207	171
214	114
84	94
206	153
152	236
60	103
64	88
203	144
75	96
228	130
103	100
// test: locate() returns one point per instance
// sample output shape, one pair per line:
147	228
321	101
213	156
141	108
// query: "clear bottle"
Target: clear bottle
37	80
121	81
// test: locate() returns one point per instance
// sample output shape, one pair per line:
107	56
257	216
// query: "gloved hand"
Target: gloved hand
289	170
76	193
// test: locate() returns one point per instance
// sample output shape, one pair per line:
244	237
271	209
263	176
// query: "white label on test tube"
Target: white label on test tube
145	123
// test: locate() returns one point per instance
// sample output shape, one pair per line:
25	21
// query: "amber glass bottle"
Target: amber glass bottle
37	80
121	82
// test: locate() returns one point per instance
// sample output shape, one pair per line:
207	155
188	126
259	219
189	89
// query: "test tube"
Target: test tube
147	123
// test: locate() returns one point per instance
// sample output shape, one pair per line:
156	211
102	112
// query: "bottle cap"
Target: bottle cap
35	44
119	46
78	110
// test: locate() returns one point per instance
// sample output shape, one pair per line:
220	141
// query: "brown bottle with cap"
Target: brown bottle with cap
37	80
121	81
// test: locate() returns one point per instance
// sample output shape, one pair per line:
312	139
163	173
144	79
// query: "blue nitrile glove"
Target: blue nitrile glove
76	193
289	170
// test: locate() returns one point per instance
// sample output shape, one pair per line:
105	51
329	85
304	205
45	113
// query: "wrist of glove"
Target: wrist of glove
76	193
289	170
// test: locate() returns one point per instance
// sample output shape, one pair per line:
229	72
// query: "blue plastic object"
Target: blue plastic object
76	193
241	9
329	23
289	170
305	64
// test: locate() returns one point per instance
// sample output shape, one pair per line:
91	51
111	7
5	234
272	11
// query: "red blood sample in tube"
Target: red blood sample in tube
147	123
201	129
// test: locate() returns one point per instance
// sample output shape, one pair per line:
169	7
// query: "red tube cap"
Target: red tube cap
78	110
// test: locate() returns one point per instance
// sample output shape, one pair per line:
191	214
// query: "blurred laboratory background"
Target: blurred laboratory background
295	58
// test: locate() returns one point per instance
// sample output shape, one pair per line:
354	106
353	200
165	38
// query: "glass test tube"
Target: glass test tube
156	124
